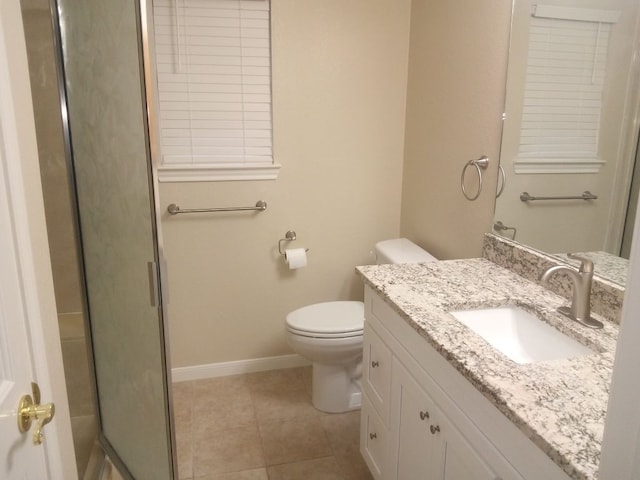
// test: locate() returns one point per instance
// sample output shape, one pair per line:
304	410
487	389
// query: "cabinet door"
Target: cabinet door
376	366
461	461
373	437
420	453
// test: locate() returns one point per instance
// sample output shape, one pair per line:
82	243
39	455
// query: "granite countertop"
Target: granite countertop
611	267
561	404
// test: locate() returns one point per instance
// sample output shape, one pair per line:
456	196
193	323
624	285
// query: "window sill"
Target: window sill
217	173
556	165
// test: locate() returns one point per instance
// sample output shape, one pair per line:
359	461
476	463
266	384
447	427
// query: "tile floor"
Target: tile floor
262	426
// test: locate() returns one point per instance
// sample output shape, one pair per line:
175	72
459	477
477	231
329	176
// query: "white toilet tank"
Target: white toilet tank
401	250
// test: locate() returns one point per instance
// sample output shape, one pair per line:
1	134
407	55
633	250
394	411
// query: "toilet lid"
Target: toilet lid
328	318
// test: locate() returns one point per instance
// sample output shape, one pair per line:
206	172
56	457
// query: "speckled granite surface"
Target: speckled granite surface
606	296
607	266
560	405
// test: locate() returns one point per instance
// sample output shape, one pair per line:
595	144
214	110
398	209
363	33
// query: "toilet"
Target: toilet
329	334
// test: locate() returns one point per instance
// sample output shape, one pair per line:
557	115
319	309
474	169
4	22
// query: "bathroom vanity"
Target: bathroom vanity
440	402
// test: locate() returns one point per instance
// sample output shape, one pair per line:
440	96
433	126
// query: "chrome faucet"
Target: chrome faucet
580	309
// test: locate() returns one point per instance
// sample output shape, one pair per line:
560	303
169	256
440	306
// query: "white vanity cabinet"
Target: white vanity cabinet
412	428
428	444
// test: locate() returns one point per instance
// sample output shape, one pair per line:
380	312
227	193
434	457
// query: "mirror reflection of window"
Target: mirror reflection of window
566	68
571	114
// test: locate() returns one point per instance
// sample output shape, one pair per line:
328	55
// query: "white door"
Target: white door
29	348
20	459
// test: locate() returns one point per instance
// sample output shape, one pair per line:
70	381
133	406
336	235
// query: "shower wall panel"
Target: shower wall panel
53	167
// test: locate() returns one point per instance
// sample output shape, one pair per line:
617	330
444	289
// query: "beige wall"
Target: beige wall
339	76
457	74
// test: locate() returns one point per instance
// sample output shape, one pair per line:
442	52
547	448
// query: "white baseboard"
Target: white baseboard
199	372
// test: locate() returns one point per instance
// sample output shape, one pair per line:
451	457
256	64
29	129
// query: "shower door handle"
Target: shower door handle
154	293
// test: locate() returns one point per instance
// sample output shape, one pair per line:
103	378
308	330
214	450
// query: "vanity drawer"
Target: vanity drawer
376	366
373	438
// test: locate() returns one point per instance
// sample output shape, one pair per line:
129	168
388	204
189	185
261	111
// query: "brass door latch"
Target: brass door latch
29	409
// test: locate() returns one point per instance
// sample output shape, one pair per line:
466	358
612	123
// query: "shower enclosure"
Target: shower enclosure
93	142
59	215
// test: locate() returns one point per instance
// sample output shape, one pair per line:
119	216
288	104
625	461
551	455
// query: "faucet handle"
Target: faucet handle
586	265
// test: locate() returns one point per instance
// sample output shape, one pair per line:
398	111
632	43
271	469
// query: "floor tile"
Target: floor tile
231	450
182	397
343	432
261	426
254	474
307	378
221	386
280	395
294	440
283	405
316	469
276	380
364	474
216	392
182	391
221	404
184	454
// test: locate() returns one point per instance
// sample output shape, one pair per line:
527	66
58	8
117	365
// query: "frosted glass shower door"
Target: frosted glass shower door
109	150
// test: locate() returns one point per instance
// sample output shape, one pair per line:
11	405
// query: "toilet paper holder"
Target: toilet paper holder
290	236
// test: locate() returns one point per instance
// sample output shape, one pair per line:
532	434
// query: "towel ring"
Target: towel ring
480	164
504	180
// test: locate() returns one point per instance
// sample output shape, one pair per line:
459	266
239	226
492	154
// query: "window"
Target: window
566	66
213	65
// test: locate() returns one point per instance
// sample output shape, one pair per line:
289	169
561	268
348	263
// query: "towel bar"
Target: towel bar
586	195
174	209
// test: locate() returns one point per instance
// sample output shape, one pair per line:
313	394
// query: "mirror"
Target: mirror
571	129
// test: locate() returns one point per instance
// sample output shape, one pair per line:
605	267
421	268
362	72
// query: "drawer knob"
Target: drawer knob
424	415
375	364
373	436
434	429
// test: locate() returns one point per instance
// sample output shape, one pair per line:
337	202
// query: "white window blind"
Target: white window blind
566	66
213	64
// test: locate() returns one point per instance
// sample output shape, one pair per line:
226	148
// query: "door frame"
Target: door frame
620	457
632	211
34	263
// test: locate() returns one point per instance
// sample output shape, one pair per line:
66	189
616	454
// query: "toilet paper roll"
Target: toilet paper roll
296	257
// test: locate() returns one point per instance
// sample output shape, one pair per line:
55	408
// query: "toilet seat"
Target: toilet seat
327	320
304	333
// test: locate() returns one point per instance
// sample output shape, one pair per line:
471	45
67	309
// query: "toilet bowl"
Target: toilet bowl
329	334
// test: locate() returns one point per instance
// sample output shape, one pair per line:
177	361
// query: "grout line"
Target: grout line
252	390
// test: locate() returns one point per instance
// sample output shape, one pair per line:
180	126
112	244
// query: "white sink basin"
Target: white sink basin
520	335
